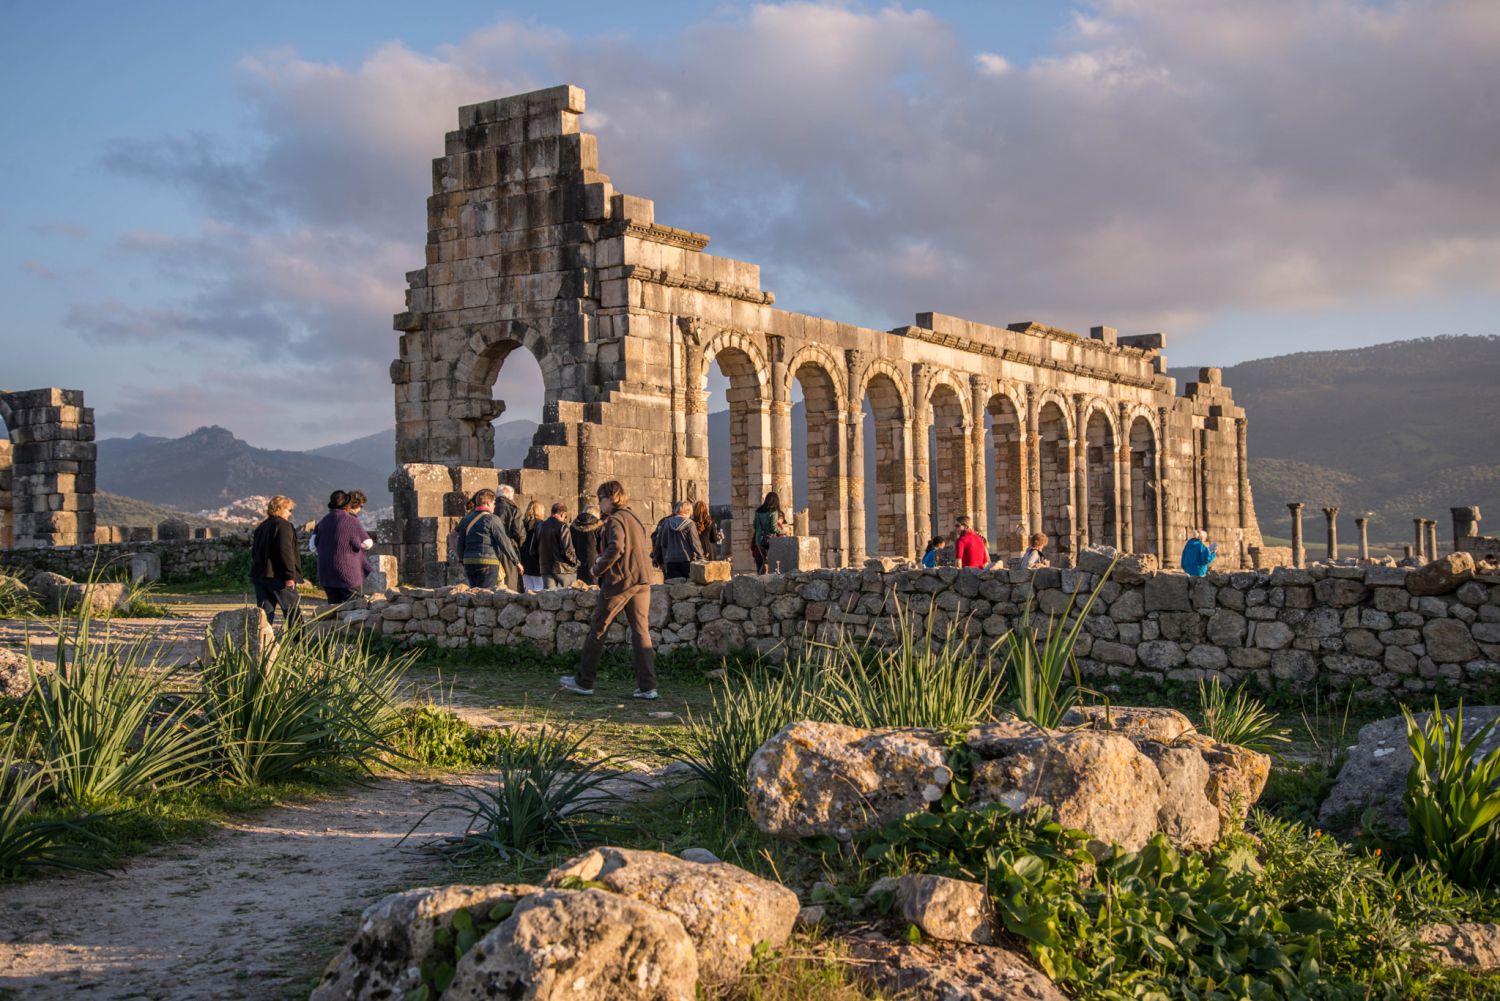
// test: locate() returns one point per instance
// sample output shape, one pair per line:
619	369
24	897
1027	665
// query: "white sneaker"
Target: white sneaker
650	696
570	684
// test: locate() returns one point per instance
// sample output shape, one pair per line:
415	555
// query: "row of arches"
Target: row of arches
901	462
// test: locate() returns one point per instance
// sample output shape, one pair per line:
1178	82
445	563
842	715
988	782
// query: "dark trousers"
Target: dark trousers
553	581
674	570
339	595
269	594
482	574
760	558
635	602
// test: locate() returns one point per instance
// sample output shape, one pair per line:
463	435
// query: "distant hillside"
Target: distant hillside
1401	430
112	509
376	453
211	468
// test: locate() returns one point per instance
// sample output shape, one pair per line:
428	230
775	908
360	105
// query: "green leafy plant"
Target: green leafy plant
16	601
1237	718
139	601
451	942
917	679
1041	672
432	736
546	792
28	842
1453	798
108	724
320	702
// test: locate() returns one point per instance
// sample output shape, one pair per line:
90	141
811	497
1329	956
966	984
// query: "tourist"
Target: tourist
675	544
455	547
340	542
969	547
275	562
510	519
1198	554
623	570
556	558
768	524
531	566
934	547
710	536
1034	558
585	531
489	548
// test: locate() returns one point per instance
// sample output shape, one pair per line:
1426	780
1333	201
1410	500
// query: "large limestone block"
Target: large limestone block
16	673
970	973
1449	641
580	945
395	937
1137	723
245	627
1442	576
1093	781
793	554
144	568
725	910
385	577
951	910
824	778
1236	775
1374	774
710	571
1186	816
49	589
101	597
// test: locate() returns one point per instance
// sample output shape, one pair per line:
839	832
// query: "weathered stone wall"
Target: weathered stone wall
529	245
51	456
184	558
1344	625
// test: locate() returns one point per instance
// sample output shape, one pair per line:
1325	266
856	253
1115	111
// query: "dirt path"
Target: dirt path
251	912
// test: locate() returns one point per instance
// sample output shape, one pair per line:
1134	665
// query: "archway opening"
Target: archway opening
888	500
517	390
948	461
1006	475
1103	506
1056	469
817	458
1143	508
739	435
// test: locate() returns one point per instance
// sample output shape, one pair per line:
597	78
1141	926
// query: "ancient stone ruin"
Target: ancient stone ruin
530	245
46	469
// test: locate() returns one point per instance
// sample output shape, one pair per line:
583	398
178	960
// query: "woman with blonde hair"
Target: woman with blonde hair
531	561
276	562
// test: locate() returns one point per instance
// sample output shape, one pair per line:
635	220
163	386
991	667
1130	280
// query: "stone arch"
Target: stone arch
823	462
483	356
1144	485
1100	444
1055	469
1007	435
948	452
744	364
890	405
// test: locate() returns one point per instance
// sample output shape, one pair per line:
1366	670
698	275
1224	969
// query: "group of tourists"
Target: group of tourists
339	541
969	549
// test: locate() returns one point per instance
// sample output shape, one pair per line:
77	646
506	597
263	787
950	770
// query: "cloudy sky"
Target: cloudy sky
209	208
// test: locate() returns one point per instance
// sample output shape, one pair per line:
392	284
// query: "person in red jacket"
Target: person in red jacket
969	546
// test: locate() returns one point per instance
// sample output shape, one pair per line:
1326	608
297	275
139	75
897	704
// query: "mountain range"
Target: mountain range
1397	430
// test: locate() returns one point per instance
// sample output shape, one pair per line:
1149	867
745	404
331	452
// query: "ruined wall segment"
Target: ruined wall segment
530	245
50	469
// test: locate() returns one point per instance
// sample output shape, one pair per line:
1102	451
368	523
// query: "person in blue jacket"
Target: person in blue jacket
1198	554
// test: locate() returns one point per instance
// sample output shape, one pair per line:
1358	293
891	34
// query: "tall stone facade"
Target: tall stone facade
46	469
529	245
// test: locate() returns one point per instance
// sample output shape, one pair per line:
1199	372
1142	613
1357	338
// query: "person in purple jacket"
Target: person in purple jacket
341	542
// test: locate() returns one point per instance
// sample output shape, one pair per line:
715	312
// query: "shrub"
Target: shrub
320	703
108	725
28	843
1041	674
431	736
1453	799
16	601
1237	718
544	795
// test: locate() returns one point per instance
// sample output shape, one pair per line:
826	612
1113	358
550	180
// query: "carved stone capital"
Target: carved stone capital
776	348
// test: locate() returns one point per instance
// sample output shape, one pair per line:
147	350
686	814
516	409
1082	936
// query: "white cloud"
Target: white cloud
1171	160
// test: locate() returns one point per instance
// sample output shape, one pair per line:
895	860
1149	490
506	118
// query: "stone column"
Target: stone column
854	452
1363	524
781	423
1421	547
1408	554
1296	509
1242	489
1080	476
979	398
1168	546
1332	514
1123	492
1033	450
921	460
1432	542
1465	524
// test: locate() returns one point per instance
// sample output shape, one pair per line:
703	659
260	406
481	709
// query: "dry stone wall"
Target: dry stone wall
1373	629
181	558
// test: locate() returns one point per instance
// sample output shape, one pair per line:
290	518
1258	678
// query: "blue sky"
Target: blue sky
209	207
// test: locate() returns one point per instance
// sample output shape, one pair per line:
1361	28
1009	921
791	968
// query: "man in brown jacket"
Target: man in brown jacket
623	573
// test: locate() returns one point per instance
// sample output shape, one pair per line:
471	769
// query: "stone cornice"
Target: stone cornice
1020	357
657	233
673	279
